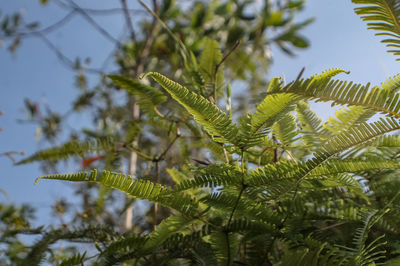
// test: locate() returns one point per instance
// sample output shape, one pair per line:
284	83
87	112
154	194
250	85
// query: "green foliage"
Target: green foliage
207	114
280	187
142	189
148	98
384	17
73	148
292	202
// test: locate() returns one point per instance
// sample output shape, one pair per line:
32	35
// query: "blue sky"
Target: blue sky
338	39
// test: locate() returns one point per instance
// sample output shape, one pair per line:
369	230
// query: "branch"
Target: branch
63	58
52	27
184	49
128	20
111	11
100	29
161	157
9	154
149	38
217	66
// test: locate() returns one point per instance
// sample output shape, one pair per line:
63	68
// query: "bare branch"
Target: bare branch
128	20
112	11
10	155
91	21
52	27
63	58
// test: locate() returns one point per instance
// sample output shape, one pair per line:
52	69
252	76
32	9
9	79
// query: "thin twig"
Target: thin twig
111	11
235	206
63	58
217	66
135	150
161	157
128	20
148	40
5	194
100	29
52	27
155	214
332	226
162	23
300	74
9	154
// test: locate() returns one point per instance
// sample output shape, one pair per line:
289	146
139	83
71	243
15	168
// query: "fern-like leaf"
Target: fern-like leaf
172	225
212	176
286	176
384	17
347	118
210	58
73	148
285	130
141	189
336	166
345	93
148	97
76	259
329	73
255	127
207	114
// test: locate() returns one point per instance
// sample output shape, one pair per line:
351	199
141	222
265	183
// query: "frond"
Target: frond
313	252
204	255
73	148
256	126
341	180
391	141
329	73
345	93
213	119
373	252
350	165
148	98
285	130
212	176
250	228
392	84
359	135
346	118
310	124
172	225
384	17
209	59
246	207
76	259
284	177
89	234
113	253
224	246
137	188
188	239
275	176
361	234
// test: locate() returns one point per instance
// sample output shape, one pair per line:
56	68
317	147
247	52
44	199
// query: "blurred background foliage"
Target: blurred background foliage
238	32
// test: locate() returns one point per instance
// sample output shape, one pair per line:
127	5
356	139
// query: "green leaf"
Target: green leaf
256	126
210	58
134	187
70	149
382	16
214	120
148	97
